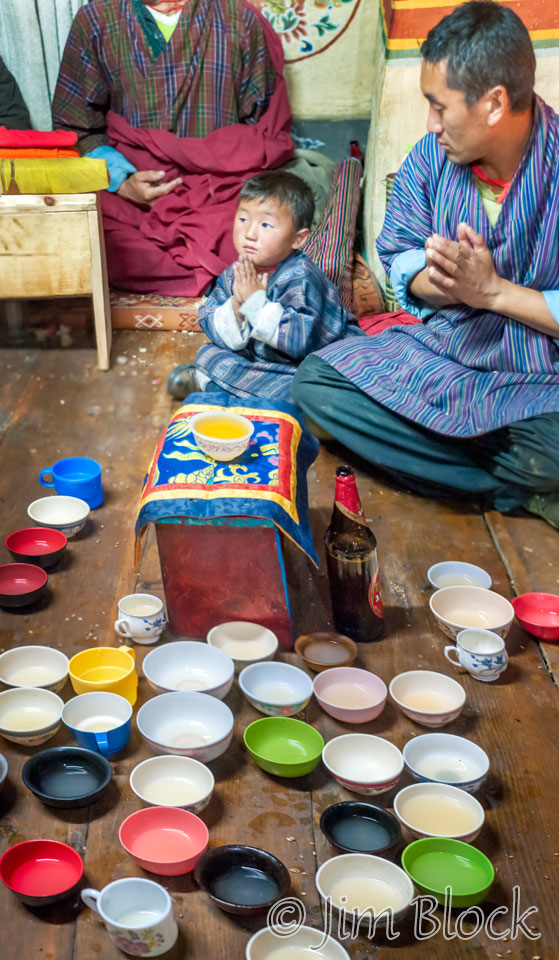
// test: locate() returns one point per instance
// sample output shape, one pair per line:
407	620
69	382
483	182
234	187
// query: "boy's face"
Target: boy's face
264	231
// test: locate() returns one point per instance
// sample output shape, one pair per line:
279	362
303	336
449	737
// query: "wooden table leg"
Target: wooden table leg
100	289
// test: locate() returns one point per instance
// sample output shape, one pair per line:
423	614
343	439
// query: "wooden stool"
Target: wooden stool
52	246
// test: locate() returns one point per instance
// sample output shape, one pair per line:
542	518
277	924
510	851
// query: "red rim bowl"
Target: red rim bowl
538	613
40	872
21	583
42	546
164	840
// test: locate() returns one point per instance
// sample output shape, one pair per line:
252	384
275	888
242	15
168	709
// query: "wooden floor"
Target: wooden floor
55	403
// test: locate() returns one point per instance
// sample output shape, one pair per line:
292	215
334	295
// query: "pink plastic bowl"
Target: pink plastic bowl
538	613
329	683
165	840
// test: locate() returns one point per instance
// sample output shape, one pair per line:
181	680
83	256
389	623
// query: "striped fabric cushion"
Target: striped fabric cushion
330	244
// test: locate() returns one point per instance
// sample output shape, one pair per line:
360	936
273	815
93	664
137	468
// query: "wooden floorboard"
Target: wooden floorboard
55	403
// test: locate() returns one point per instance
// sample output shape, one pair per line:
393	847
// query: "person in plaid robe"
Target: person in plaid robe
180	69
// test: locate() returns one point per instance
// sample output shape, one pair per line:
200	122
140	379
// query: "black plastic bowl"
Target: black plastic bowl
374	830
67	777
262	871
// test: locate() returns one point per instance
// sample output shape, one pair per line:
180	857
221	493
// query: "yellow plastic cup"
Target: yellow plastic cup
105	668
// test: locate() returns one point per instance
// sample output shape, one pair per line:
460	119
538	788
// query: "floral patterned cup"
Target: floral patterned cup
481	652
141	618
137	914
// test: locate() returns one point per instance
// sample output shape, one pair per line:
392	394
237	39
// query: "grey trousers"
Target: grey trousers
504	467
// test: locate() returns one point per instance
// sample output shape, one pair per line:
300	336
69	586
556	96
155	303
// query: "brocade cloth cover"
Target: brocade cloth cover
269	480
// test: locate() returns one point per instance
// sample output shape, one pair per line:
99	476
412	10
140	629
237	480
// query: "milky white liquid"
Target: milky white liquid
98	724
443	816
193	680
457	580
451	769
139	918
430	702
467	617
366	893
61	515
33	676
277	691
27	718
245	649
295	953
171	791
140	608
349	695
183	734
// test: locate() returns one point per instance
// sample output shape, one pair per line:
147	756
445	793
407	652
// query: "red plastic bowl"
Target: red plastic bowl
40	872
538	613
165	840
21	583
44	546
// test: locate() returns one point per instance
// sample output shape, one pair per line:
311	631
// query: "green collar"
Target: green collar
153	36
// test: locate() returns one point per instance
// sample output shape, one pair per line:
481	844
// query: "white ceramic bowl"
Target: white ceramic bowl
457	608
217	447
444	758
29	715
265	943
276	689
187	724
244	642
34	666
455	573
363	763
429	698
366	688
362	874
67	514
189	665
173	781
444	802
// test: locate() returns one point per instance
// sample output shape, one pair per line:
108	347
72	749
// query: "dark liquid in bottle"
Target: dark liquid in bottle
352	585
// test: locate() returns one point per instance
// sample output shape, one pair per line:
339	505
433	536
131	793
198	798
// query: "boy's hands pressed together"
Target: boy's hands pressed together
247	281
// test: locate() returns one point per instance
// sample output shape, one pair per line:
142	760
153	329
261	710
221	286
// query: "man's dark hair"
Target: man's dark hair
287	189
485	45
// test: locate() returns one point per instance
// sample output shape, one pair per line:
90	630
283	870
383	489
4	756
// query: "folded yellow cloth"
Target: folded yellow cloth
61	175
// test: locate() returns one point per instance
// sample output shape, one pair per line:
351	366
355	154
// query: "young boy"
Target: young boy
270	308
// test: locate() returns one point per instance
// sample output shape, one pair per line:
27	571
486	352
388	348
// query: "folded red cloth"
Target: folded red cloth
381	321
7	153
37	139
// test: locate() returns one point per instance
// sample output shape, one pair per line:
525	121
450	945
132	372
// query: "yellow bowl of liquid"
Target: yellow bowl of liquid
105	668
220	434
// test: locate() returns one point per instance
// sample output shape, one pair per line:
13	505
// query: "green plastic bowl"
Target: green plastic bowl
284	746
434	863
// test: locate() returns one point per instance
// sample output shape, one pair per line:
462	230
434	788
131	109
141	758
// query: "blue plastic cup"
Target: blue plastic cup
76	477
99	721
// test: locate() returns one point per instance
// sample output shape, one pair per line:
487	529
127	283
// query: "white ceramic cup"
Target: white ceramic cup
138	915
481	652
141	618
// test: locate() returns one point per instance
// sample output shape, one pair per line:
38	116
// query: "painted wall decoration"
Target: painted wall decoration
406	23
308	27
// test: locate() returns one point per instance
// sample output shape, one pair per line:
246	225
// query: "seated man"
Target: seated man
148	85
468	400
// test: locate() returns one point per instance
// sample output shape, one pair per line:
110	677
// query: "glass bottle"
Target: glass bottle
353	572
